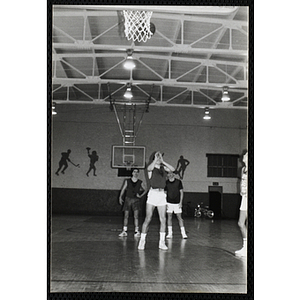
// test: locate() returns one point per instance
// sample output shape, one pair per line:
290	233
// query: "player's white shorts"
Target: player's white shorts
157	197
174	207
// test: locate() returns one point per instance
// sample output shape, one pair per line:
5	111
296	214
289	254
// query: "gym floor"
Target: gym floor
87	255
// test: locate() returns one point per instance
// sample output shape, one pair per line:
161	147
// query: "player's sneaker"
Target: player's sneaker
162	245
141	245
242	252
184	236
123	233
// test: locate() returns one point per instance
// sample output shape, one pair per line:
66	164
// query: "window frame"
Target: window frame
222	165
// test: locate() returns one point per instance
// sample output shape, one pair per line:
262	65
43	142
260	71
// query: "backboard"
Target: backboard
128	157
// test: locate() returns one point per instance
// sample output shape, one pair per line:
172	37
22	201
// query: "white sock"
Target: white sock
182	229
170	229
143	236
124	228
162	236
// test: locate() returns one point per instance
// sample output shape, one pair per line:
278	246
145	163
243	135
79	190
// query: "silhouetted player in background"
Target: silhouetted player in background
181	166
64	162
93	158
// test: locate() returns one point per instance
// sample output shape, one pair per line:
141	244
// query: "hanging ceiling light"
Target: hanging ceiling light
53	108
129	64
225	95
206	114
128	93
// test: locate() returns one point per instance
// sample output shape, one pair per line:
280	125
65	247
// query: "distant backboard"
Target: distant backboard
128	157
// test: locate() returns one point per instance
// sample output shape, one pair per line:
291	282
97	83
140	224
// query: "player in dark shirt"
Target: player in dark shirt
174	191
134	189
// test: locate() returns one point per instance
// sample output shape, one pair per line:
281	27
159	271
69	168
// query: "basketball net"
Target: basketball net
137	25
128	165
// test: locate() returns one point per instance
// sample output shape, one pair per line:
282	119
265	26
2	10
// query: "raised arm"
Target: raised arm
157	158
167	166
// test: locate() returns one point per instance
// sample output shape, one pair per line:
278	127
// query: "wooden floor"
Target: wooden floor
88	256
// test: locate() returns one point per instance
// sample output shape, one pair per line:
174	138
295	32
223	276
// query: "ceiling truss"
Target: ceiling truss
181	64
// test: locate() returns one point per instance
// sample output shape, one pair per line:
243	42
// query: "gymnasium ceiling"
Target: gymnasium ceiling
194	52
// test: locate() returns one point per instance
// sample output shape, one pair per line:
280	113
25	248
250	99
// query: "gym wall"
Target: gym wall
174	131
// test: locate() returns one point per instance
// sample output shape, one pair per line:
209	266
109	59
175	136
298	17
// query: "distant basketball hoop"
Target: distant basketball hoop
128	157
137	25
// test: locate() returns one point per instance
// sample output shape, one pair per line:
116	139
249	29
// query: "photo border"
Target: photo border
250	257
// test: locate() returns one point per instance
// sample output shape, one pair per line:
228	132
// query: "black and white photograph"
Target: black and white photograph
151	150
80	219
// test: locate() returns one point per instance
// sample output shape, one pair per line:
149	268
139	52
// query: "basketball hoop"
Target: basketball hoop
137	25
127	157
128	165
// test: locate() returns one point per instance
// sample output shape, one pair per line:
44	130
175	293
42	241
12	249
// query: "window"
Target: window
222	165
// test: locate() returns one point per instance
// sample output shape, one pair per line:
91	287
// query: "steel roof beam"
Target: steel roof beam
205	61
178	48
156	15
241	84
158	103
